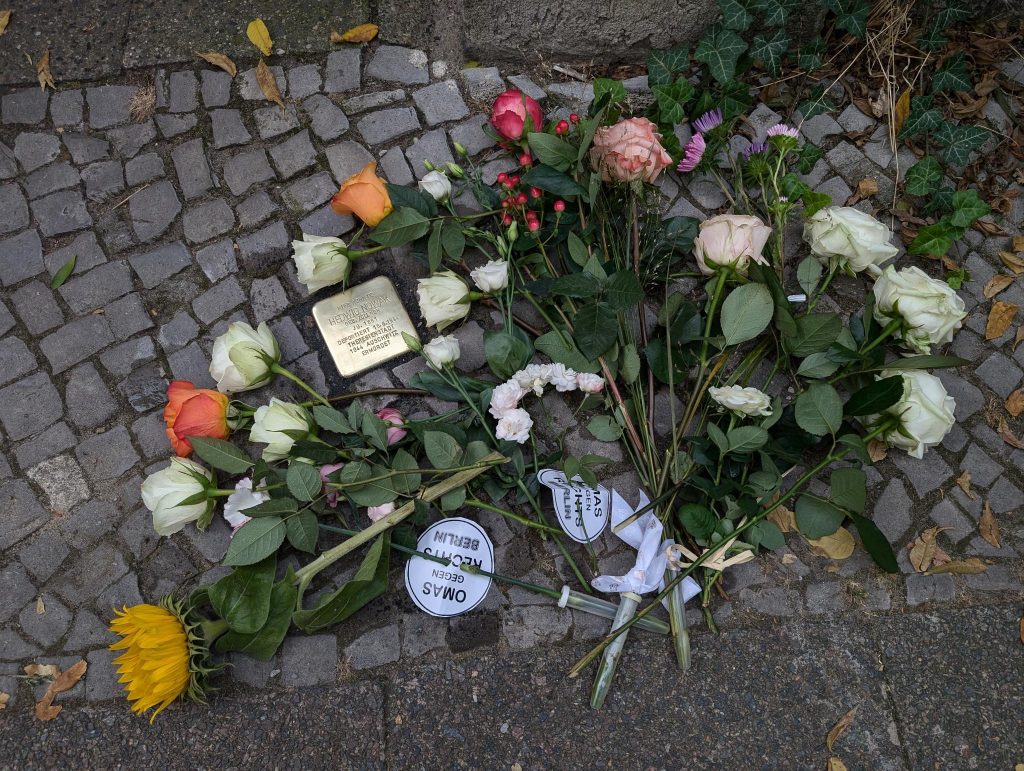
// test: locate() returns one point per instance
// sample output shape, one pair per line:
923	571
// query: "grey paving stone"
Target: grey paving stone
44	555
145	387
107	455
128	140
440	102
306	194
20	513
190	363
127	316
48	628
17	359
1005	496
527	86
153	209
216	88
98	287
484	83
969	399
996	579
109	105
374	648
922	589
372	101
192	169
268	246
103	179
852	119
346	159
93	573
575	93
15	209
946	514
144	168
6	319
178	332
470	134
40	447
88	398
431	146
173	125
342	72
255	209
820	127
87	631
218	260
207	220
122	359
253	672
183	91
124	592
34	150
309	660
61	480
8	163
218	300
90	522
325	222
826	597
293	155
26	106
249	88
527	627
62	212
156	266
18	590
29	405
836	188
304	80
1000	373
228	128
273	121
853	166
267	299
150	432
14	648
771	601
386	125
983	469
289	339
246	169
325	117
892	511
50	178
396	64
308	368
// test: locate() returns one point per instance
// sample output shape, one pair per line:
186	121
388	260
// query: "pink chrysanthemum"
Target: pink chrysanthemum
692	153
782	130
708	121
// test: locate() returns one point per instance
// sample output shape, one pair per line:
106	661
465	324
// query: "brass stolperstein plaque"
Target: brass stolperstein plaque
363	326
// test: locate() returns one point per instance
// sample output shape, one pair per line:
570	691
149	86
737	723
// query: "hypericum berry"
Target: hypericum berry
521	199
535	192
562	127
574	118
513	180
503	178
506	202
525	159
506	220
533	226
559	205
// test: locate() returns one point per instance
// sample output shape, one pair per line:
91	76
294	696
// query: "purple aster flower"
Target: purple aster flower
692	153
782	130
708	121
756	148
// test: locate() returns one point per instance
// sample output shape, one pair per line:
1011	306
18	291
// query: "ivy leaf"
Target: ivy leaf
953	76
854	17
932	39
923	177
809	55
734	14
770	49
615	90
817	103
953	11
967	208
720	49
960	142
662	66
774	11
734	99
809	156
923	118
934	239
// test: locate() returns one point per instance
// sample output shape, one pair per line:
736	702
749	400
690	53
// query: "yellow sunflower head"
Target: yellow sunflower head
164	655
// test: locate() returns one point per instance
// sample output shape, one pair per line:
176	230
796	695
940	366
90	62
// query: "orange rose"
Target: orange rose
364	195
192	411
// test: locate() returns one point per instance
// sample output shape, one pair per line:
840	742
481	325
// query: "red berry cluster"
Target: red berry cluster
522	202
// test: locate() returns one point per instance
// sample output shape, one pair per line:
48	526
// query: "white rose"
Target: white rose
505	397
441	351
931	309
589	383
514	426
492	277
270	423
562	378
925	412
436	185
849	239
534	377
241	357
320	261
442	299
730	239
242	498
742	401
164	490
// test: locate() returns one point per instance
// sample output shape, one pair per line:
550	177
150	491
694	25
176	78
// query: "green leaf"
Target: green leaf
662	360
555	152
876	397
774	12
952	12
577	249
64	272
363	492
604	428
629	364
809	57
303	530
435	253
934	239
808	274
952	76
453	499
854	17
596	329
564	351
814	202
817	365
614	89
272	508
932	38
809	156
369	582
669	108
505	353
331	419
257	539
720	49
442	450
814	332
770	48
576	285
923	118
960	142
412	198
453	240
662	66
402	226
220	454
967	208
769	536
263	644
623	290
718	437
698	520
734	15
242	598
744	439
817	518
927	361
819	410
746	313
553	181
849	489
405	484
303	480
875	543
924	177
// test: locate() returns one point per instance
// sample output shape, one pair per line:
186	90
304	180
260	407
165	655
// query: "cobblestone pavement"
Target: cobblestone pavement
181	224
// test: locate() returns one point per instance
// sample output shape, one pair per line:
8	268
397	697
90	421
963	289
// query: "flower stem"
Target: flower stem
277	369
212	629
628	602
511	515
890	328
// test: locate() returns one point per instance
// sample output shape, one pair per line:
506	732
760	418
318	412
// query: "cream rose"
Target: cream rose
164	491
730	240
848	239
272	421
930	308
436	185
492	277
320	261
629	150
442	351
443	299
742	401
925	412
242	357
514	426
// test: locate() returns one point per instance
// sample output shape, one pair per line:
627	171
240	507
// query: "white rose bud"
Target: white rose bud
492	277
442	351
931	309
320	261
848	239
514	426
743	401
925	412
270	423
242	357
164	490
443	299
436	185
730	239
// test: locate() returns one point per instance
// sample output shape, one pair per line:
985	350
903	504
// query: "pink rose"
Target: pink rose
629	150
377	513
395	418
509	113
330	492
730	239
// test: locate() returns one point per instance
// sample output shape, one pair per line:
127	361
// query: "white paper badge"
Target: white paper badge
582	510
445	590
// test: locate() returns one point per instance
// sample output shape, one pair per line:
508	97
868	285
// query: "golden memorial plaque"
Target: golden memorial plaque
363	326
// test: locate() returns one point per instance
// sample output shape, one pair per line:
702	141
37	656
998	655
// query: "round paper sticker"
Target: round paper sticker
445	590
582	510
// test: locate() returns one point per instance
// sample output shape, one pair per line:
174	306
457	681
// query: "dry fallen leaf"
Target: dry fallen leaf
783	518
259	36
1015	402
5	19
142	105
964	483
788	559
999	319
837	546
972	565
41	670
1012	261
835	764
925	552
219	60
1007	435
65	681
989	228
841	725
267	84
362	33
1019	338
901	111
1018	243
988	527
996	284
43	72
40	607
4	696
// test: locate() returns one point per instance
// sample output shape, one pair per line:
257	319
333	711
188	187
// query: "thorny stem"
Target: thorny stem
277	369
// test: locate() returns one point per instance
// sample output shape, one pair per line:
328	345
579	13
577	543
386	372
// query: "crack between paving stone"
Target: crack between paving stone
894	709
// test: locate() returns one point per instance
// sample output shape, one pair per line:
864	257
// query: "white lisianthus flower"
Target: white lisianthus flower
590	383
492	277
270	423
164	490
505	397
848	239
320	261
442	351
743	401
436	185
932	310
242	357
925	412
377	513
242	498
562	378
534	377
443	299
514	426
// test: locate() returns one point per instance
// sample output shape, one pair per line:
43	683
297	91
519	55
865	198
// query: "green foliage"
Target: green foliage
770	48
720	49
960	141
952	76
746	313
924	177
923	118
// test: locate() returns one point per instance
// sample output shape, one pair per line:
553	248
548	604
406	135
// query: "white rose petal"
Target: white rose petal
320	261
492	277
563	378
436	185
443	299
590	383
239	361
441	351
925	412
271	421
164	490
848	239
931	309
743	401
242	498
